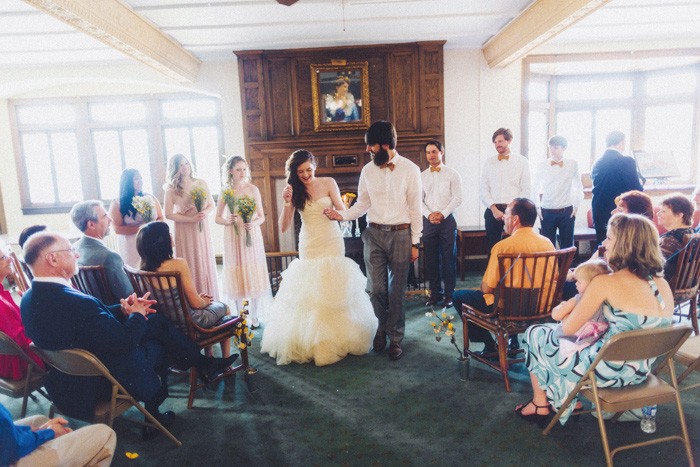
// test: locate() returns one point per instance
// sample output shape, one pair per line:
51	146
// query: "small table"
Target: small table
471	242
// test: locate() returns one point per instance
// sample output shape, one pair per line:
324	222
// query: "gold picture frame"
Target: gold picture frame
335	90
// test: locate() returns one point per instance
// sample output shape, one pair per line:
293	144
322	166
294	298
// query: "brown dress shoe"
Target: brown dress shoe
379	341
395	351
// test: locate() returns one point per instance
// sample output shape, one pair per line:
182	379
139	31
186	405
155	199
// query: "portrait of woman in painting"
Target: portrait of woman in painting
340	104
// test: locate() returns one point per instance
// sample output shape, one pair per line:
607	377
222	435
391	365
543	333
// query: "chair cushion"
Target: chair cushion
689	351
653	391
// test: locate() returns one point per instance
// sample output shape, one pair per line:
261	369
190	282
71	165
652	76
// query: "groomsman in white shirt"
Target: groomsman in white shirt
442	194
506	176
389	192
559	182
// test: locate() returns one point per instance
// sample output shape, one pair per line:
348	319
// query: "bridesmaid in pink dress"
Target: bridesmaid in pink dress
191	244
126	221
245	267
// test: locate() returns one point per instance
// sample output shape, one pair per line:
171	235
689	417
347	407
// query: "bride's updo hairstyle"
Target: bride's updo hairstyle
154	245
636	246
299	194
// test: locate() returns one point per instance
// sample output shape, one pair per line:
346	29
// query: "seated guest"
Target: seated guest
676	216
28	232
39	440
635	296
12	366
133	348
519	218
93	221
155	247
634	202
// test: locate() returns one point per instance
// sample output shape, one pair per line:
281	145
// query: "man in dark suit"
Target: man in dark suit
612	175
127	338
93	221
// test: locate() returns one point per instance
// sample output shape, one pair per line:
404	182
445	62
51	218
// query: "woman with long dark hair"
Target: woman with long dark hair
125	219
321	311
245	274
155	247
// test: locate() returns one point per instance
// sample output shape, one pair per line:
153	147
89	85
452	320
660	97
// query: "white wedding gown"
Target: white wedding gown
321	311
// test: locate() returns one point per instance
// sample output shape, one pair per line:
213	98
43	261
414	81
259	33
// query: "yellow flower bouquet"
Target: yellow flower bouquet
229	197
199	198
443	325
144	206
243	336
246	208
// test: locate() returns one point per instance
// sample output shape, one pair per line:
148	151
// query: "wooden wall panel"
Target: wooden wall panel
405	87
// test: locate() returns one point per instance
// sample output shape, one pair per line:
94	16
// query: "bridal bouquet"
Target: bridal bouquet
229	197
443	325
243	336
144	206
246	208
199	198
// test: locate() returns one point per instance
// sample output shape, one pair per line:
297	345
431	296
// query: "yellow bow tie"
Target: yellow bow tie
560	163
502	157
434	169
389	165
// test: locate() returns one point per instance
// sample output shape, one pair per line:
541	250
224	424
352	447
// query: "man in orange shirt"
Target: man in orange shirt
519	217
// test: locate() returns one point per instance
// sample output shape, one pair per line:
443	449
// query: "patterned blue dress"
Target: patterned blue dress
558	375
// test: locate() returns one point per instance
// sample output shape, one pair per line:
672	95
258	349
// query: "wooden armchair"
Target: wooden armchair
524	296
686	278
19	276
176	310
79	362
92	280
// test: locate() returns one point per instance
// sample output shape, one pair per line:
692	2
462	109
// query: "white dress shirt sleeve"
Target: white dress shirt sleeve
455	194
414	194
485	188
525	180
363	202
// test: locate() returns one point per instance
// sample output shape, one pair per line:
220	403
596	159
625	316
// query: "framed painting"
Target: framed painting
340	96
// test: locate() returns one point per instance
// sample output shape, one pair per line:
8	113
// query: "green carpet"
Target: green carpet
368	410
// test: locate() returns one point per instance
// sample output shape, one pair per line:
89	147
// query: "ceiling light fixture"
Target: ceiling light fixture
287	2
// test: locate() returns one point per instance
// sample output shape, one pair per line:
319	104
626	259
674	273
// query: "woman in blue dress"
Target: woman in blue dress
635	296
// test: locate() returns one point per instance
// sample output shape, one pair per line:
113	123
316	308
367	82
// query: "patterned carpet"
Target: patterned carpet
367	410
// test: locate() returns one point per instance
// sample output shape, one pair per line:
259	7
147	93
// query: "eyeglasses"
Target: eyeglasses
71	249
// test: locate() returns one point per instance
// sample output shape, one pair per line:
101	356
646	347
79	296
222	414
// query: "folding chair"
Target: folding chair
33	381
641	344
78	362
689	355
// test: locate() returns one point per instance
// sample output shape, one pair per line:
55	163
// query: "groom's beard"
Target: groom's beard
381	157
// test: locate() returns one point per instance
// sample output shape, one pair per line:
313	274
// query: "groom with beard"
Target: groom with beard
389	192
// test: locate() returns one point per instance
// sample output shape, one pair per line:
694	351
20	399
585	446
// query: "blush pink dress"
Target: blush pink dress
195	247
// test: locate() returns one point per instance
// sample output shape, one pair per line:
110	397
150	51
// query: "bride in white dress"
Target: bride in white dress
321	311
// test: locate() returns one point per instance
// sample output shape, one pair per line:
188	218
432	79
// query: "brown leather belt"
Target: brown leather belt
387	228
557	211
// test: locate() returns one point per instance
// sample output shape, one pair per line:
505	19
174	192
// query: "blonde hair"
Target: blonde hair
230	163
636	245
591	268
174	181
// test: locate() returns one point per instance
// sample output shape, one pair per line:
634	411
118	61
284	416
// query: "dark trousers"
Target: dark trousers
440	246
600	222
551	221
494	228
387	260
475	299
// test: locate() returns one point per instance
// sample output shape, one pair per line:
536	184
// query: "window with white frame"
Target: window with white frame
73	149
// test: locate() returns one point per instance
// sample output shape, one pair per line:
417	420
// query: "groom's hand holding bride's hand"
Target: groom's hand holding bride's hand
332	214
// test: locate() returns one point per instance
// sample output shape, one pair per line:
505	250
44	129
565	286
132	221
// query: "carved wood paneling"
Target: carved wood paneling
280	91
403	91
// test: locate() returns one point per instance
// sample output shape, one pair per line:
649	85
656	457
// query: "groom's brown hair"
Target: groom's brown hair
381	132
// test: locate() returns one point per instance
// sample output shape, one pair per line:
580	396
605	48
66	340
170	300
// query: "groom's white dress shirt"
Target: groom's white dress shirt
390	197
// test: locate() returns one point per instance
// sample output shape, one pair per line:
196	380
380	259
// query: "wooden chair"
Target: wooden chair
524	296
92	280
24	388
686	279
631	346
160	284
79	362
689	355
19	277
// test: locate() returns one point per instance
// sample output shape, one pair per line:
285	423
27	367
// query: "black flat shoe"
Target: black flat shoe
541	420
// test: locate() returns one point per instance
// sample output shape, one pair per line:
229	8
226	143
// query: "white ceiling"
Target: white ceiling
212	29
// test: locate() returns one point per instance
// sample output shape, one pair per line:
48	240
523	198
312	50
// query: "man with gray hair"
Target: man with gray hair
91	218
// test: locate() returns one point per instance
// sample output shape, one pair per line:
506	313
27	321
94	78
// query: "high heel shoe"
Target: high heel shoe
540	419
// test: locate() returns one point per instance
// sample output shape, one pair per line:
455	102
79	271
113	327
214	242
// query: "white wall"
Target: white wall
478	100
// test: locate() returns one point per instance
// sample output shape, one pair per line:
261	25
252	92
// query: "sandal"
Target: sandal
537	418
